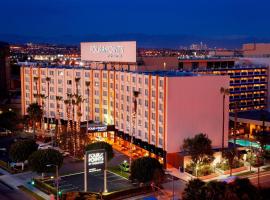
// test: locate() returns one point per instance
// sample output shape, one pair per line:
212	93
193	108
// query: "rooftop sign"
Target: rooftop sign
109	51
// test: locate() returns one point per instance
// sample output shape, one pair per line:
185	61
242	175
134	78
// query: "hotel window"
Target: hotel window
96	92
52	81
146	103
153	127
116	86
122	116
111	103
160	118
96	83
153	82
26	71
133	79
52	114
96	118
27	87
140	80
27	94
51	73
122	77
122	107
111	85
153	138
146	113
69	91
78	74
43	88
51	105
161	83
146	135
140	102
60	90
122	87
153	93
160	107
105	111
122	97
127	118
146	92
111	75
104	93
122	125
60	73
153	116
96	75
139	122
97	110
160	141
116	77
127	88
51	89
160	130
127	98
96	101
52	97
104	84
127	108
104	102
146	81
153	105
104	75
161	95
87	74
116	105
27	102
139	133
60	81
69	82
145	125
43	80
27	79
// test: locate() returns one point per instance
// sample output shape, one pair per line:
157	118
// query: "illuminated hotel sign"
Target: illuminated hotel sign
95	160
97	128
109	51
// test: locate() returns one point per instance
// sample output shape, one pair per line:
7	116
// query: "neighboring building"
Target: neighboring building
171	105
248	80
256	50
4	70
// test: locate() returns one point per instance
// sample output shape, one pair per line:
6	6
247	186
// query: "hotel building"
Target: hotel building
171	105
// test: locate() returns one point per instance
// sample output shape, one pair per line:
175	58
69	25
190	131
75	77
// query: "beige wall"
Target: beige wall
195	106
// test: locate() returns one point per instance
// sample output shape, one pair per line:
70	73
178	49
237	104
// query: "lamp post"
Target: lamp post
224	92
57	183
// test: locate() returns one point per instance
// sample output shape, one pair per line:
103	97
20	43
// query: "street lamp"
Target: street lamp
57	179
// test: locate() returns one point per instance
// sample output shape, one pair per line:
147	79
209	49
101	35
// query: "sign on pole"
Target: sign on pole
95	161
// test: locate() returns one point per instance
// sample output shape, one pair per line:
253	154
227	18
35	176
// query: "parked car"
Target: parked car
124	166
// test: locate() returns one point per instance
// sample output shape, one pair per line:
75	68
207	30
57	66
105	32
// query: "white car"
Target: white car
44	146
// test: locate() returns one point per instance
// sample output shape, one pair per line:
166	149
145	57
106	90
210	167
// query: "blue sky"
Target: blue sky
230	18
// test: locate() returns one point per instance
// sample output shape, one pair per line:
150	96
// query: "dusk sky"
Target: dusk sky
230	18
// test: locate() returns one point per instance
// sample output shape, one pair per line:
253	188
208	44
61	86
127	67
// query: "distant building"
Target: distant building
4	69
248	80
256	50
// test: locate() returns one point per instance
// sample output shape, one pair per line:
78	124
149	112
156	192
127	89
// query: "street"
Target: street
8	193
264	178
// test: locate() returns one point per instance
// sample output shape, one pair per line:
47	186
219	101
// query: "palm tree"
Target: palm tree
48	79
230	155
58	99
135	96
73	102
35	113
36	84
224	92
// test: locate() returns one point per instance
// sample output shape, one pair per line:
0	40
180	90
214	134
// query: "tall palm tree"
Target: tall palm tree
224	92
73	102
67	102
87	84
57	136
134	114
35	113
42	97
36	85
48	79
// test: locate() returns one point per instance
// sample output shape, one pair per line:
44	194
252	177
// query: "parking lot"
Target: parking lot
75	182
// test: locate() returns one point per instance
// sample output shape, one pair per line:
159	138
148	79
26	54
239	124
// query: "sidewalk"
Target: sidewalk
15	180
181	175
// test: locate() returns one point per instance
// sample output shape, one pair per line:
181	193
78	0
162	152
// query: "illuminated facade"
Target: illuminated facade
248	82
171	105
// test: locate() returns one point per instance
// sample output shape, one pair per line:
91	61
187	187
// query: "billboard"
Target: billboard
109	51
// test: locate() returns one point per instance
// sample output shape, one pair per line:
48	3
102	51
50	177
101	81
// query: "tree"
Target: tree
35	113
199	148
39	160
8	120
21	150
230	155
194	190
101	145
146	169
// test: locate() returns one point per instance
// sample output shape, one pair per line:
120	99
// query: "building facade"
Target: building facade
248	81
171	106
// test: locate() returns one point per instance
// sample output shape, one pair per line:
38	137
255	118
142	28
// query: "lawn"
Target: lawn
119	172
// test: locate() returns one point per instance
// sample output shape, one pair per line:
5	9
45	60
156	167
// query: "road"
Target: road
264	179
8	193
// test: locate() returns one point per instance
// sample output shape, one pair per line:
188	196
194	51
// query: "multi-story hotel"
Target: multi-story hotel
171	106
248	81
